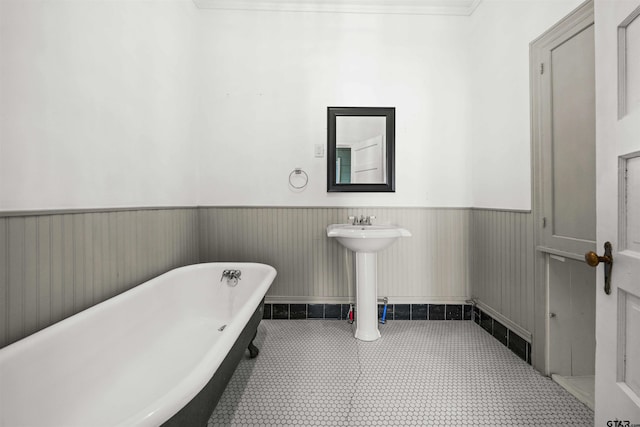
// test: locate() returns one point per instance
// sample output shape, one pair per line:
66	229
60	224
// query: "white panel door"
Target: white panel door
617	155
563	131
367	161
569	140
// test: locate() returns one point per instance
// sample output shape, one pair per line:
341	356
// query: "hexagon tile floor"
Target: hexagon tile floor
420	373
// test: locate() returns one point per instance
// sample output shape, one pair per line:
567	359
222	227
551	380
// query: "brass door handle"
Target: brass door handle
593	259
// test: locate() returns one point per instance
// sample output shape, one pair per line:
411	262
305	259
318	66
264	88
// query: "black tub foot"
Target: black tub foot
253	350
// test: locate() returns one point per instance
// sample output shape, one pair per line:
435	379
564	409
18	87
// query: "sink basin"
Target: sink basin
366	238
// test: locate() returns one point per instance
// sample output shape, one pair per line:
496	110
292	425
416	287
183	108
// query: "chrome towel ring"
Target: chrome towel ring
298	171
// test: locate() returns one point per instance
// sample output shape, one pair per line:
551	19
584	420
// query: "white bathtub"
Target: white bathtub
135	359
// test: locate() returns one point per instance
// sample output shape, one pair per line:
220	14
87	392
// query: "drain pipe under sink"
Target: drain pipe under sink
383	319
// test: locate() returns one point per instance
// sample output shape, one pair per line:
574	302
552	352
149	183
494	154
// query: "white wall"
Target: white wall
268	78
500	152
96	104
158	103
460	85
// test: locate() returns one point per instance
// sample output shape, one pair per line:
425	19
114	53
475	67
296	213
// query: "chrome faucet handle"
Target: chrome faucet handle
353	220
231	274
369	218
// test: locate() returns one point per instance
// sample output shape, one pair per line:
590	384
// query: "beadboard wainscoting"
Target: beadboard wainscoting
502	266
55	265
429	266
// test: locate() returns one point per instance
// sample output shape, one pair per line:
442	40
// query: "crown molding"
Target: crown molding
393	7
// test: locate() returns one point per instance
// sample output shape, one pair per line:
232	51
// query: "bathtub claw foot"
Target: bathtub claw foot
253	350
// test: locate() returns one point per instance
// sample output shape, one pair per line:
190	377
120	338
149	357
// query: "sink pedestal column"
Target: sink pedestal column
366	296
366	241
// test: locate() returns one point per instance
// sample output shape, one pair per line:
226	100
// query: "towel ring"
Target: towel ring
298	171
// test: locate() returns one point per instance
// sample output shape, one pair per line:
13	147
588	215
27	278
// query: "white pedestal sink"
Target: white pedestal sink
366	241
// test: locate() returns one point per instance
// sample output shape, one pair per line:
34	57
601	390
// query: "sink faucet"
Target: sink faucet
363	220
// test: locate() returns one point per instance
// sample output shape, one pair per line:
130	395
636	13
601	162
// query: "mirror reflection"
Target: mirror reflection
360	149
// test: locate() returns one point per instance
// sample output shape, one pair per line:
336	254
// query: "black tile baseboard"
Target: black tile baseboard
453	312
394	311
437	311
507	337
279	311
511	340
297	311
500	332
419	311
400	311
467	312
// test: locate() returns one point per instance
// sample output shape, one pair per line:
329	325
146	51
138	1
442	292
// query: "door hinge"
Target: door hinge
544	222
542	68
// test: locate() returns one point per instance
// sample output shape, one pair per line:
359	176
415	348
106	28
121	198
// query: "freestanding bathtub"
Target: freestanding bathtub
160	353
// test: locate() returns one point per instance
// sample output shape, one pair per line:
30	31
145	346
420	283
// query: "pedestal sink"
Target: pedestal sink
366	241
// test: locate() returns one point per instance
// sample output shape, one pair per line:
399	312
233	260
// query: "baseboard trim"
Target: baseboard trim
352	299
304	311
507	337
526	335
72	211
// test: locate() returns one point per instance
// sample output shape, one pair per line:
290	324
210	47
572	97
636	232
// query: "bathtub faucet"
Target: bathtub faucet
363	220
231	275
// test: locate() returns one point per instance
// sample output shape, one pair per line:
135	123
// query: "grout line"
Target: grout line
354	389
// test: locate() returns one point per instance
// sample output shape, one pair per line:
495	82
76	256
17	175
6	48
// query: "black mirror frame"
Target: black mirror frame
390	114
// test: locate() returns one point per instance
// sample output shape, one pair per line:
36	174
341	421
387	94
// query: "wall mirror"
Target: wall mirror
361	149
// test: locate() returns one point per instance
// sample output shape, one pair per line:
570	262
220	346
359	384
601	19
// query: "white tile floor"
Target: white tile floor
421	373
